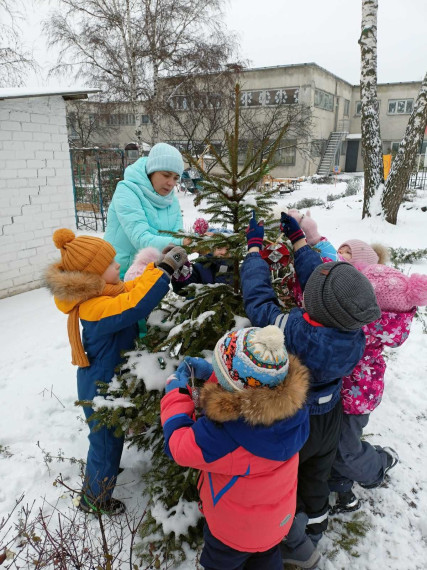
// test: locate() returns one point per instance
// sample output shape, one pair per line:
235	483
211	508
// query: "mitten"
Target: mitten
290	227
168	248
309	227
173	260
202	368
176	380
255	232
296	214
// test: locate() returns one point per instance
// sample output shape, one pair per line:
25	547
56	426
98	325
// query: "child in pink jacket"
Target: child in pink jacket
398	297
245	445
354	251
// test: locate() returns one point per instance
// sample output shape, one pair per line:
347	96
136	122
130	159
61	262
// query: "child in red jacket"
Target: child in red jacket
246	444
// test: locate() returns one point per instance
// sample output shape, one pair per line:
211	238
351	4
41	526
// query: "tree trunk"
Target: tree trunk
371	138
398	179
155	106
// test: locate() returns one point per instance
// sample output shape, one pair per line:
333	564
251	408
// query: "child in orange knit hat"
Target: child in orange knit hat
86	285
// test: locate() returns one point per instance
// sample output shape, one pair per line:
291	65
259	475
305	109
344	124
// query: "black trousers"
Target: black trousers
316	459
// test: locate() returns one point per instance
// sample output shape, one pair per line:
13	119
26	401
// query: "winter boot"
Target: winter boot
305	555
110	508
392	458
346	502
392	461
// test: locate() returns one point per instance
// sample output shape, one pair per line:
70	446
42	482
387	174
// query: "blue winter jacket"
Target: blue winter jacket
137	214
328	353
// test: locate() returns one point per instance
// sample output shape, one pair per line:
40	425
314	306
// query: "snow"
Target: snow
38	387
18	92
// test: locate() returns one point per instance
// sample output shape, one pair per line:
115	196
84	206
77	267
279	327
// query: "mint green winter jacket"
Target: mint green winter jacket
137	214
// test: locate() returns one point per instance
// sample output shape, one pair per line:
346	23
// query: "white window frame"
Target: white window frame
401	106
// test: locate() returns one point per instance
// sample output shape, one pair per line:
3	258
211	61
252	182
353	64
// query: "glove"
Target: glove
308	226
255	232
202	368
173	260
168	248
176	380
290	227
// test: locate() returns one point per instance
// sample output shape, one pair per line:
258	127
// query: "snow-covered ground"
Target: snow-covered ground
38	389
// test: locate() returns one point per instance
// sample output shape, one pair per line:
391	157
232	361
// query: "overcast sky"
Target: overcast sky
281	32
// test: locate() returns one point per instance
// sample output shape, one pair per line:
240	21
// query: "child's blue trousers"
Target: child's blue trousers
218	556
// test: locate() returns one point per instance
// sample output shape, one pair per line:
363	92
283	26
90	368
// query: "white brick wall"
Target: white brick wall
36	192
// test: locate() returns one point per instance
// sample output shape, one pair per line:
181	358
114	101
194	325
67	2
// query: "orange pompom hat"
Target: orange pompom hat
83	253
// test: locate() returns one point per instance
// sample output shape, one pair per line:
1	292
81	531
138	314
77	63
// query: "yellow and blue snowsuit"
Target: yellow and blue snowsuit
109	328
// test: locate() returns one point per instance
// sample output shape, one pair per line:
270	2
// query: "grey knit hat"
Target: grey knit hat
337	295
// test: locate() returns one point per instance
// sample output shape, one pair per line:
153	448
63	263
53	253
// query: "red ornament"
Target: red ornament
276	255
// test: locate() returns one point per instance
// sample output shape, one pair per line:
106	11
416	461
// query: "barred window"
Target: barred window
323	100
121	119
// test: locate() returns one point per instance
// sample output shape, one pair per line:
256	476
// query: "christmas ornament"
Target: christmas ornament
276	255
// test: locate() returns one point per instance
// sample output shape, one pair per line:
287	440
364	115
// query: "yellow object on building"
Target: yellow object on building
387	165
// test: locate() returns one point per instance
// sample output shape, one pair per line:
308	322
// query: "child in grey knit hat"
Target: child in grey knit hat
327	336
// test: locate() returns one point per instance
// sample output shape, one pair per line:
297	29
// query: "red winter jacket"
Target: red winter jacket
246	447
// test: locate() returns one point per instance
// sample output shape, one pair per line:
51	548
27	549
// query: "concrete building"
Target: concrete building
36	192
335	104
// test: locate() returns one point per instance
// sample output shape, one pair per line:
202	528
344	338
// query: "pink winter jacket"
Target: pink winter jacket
362	391
246	448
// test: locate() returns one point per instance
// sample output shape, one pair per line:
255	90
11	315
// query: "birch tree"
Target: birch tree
384	197
126	46
15	59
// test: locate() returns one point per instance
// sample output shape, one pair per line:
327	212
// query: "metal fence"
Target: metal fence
96	173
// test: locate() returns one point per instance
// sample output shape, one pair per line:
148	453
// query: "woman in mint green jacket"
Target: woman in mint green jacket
144	204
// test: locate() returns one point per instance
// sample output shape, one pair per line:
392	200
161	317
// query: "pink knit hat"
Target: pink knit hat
360	252
395	291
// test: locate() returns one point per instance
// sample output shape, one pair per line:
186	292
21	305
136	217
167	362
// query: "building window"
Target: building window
198	101
145	120
93	119
269	97
318	147
400	106
346	107
323	100
121	119
286	155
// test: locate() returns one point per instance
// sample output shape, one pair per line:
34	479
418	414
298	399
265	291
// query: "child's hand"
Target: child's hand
201	367
173	260
308	226
255	232
175	381
291	228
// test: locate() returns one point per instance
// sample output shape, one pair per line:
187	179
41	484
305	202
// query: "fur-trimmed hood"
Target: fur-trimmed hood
258	406
72	287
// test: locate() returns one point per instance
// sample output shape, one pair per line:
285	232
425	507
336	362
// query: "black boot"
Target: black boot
346	502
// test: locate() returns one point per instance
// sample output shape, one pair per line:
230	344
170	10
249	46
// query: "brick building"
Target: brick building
36	193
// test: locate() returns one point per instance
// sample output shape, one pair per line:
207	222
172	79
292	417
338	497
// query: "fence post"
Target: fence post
74	189
101	205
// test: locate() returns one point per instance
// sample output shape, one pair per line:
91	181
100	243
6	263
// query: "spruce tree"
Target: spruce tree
191	325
